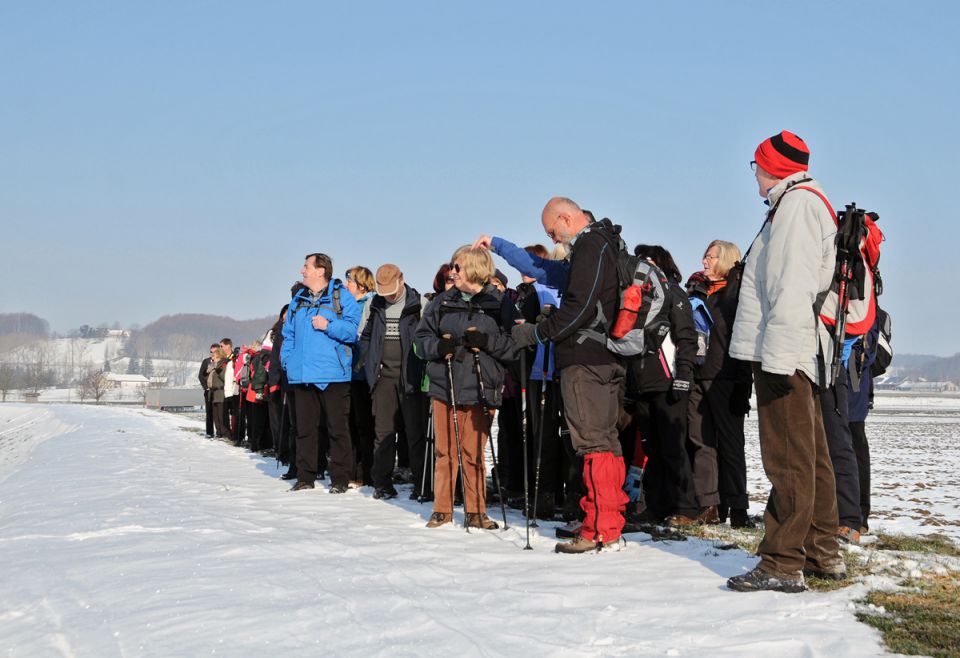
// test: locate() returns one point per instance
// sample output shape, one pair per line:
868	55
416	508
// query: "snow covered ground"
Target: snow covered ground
125	535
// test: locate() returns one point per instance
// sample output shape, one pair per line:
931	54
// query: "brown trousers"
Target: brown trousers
801	516
473	438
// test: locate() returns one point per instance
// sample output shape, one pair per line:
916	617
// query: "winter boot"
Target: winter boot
438	519
385	493
709	515
579	544
759	580
301	485
482	521
740	519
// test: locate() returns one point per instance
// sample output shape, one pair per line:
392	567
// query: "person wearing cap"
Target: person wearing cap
394	374
777	330
320	328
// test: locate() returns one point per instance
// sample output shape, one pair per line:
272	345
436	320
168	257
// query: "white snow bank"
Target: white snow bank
130	537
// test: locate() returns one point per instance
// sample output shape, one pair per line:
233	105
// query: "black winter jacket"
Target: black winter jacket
203	373
651	373
722	305
592	278
449	313
371	342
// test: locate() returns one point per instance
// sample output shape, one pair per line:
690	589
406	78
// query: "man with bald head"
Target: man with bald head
591	376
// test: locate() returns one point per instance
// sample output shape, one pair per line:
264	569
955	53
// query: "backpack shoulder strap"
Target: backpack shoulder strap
819	194
336	303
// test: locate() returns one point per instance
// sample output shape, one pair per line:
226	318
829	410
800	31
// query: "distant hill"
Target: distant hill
931	368
189	334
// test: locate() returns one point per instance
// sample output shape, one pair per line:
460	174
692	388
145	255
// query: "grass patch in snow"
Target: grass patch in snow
921	619
937	544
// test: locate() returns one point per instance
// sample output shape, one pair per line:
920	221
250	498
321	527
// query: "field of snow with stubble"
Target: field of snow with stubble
125	533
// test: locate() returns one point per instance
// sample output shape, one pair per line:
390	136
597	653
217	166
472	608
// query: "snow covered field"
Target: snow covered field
124	535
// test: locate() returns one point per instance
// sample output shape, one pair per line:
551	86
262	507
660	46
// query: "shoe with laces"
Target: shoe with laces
300	486
578	544
708	515
481	521
438	519
759	580
385	493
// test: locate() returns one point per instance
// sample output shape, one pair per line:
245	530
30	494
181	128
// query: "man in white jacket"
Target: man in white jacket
777	330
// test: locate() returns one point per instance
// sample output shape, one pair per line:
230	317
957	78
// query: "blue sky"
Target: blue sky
183	157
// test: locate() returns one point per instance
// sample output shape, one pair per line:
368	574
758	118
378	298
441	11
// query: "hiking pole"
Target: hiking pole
543	414
523	426
427	452
456	434
493	453
851	227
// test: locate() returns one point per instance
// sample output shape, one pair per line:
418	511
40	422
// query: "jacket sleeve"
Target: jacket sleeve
790	280
501	346
344	329
425	338
289	338
587	274
548	272
203	375
683	333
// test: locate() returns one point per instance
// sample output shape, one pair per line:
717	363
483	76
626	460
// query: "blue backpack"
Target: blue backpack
702	321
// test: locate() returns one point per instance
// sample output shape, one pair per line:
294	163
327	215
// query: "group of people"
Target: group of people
359	366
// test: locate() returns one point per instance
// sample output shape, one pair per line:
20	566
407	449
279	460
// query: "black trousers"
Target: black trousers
544	445
361	431
833	407
275	412
397	413
860	446
208	408
718	454
231	411
259	425
668	482
510	444
326	412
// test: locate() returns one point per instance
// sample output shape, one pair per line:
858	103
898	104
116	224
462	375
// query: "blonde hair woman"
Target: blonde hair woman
471	315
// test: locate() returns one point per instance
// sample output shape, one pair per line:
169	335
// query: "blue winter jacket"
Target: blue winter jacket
311	356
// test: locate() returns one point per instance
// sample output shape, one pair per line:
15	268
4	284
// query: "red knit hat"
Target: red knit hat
782	155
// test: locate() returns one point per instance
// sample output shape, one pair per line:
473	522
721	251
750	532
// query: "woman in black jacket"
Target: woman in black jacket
659	383
720	400
470	317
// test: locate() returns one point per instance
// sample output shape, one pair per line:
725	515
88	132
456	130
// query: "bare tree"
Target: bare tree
94	385
183	350
8	379
36	366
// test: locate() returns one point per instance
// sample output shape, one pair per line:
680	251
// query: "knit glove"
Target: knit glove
779	385
446	347
679	391
524	334
475	340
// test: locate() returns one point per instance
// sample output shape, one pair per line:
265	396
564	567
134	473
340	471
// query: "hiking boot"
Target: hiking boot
578	544
289	475
300	486
759	580
482	521
841	574
338	488
680	521
385	493
708	515
438	519
740	519
848	535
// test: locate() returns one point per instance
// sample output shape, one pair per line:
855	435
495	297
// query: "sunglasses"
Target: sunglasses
454	267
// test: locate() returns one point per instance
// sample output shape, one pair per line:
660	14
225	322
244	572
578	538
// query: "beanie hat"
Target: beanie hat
782	155
502	277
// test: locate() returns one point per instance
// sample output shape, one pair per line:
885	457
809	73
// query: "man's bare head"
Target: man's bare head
562	219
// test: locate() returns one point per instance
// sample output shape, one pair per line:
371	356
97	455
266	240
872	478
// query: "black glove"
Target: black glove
474	340
740	400
524	334
545	312
779	385
679	391
446	347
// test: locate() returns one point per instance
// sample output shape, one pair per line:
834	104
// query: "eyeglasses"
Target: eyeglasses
708	256
753	166
454	267
347	276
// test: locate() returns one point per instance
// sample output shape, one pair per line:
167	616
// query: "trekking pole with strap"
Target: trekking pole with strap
493	452
456	434
523	426
543	416
428	457
851	229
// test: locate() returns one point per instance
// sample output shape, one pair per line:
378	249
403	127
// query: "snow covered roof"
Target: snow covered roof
139	379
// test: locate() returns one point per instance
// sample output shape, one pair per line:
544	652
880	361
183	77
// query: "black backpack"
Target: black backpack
641	320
